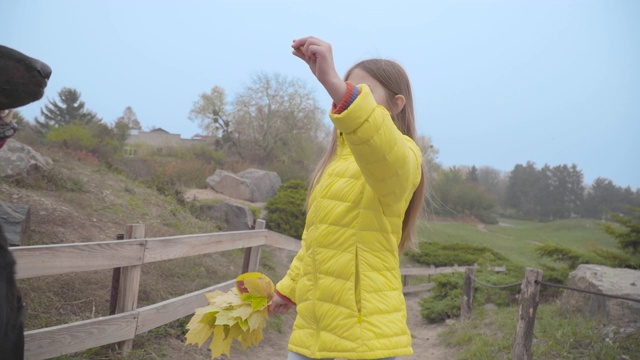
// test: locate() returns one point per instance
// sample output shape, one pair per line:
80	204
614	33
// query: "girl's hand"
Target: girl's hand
319	56
279	305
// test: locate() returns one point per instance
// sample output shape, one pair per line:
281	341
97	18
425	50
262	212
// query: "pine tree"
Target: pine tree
69	110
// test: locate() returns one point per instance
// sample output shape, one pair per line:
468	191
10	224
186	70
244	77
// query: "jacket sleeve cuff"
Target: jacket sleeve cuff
286	288
285	298
349	97
357	113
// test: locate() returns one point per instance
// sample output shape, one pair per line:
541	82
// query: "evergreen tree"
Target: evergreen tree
70	109
626	231
472	175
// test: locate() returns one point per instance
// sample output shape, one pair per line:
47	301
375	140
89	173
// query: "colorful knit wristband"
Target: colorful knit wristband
349	97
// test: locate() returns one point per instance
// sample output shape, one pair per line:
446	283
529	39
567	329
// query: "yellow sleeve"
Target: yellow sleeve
390	161
287	286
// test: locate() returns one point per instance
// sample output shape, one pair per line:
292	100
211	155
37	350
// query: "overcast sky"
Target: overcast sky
496	83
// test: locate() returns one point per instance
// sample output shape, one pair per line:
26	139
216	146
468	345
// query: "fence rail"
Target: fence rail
129	255
46	260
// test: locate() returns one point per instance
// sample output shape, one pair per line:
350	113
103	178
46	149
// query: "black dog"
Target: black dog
22	80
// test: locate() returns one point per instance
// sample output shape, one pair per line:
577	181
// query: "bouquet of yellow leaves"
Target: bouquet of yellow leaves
240	313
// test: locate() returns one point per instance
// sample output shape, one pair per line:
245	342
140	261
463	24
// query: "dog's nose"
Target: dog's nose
42	68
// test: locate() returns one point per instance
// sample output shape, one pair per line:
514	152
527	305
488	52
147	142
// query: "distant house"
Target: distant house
160	141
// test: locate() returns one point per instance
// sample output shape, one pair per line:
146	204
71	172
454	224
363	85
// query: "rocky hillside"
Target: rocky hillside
84	201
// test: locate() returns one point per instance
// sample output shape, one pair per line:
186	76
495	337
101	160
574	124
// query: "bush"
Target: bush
436	254
286	211
569	257
446	294
444	302
486	218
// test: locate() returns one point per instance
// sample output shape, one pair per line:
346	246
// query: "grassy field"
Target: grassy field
517	239
559	334
490	334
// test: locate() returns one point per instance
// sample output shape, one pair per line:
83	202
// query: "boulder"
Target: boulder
230	185
264	183
603	279
236	217
251	185
18	159
14	221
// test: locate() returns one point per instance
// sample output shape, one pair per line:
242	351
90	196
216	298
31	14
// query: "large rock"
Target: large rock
603	279
251	185
265	183
18	159
231	185
14	221
236	217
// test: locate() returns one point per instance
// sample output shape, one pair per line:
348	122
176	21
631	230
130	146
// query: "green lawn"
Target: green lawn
517	239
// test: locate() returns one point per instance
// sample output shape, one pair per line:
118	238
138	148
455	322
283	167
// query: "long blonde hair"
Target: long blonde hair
396	82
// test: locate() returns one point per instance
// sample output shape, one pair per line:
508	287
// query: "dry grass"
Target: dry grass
96	210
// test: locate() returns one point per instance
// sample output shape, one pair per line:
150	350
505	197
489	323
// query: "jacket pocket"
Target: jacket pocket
357	291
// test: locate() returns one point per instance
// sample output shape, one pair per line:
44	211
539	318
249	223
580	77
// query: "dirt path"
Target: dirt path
426	344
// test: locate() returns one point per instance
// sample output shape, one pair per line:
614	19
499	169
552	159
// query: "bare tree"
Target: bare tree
276	117
211	115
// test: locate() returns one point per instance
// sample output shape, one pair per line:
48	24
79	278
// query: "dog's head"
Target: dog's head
22	81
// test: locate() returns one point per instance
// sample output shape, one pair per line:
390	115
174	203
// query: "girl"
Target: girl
363	204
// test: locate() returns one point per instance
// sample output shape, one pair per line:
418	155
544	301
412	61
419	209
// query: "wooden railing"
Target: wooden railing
35	261
129	255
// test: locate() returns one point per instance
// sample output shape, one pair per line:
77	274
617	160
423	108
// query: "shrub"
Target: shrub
446	293
286	211
569	257
444	302
436	254
486	218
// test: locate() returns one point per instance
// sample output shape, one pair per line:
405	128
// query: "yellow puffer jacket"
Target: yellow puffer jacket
346	279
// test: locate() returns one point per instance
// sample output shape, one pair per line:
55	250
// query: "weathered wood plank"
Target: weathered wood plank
252	255
529	300
283	241
66	339
42	260
467	293
175	247
427	271
430	271
165	312
129	283
416	288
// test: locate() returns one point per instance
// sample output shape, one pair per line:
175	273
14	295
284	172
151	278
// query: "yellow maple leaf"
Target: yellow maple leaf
258	319
256	284
220	344
200	327
242	312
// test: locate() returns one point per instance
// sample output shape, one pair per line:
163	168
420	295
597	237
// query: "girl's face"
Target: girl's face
358	76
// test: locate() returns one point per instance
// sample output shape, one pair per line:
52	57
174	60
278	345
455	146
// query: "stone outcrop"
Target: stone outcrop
264	183
603	279
231	185
236	217
18	159
251	185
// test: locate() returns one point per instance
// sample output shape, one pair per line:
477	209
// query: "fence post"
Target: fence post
467	293
115	284
129	283
252	254
529	298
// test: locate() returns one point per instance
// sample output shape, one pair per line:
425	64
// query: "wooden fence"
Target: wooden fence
128	255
